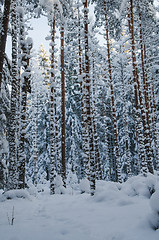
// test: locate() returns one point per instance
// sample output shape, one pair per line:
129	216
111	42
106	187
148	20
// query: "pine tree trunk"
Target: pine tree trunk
34	132
125	121
52	115
89	120
25	88
96	147
139	108
118	167
148	137
12	178
3	35
85	171
154	128
63	170
79	44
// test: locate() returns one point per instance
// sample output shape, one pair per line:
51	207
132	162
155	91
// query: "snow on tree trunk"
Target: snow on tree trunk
137	111
118	164
63	170
12	178
139	108
26	46
148	137
3	35
52	114
89	119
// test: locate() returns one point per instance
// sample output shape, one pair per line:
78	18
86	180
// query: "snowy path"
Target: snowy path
106	216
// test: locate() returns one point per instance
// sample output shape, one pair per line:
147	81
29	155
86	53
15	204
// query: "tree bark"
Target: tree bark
12	178
52	114
118	167
148	147
139	108
63	107
3	36
89	119
25	88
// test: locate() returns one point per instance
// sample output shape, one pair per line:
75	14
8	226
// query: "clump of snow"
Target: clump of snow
154	217
84	186
4	146
154	202
29	41
140	185
20	10
106	191
50	4
32	190
59	188
72	180
12	194
2	197
123	6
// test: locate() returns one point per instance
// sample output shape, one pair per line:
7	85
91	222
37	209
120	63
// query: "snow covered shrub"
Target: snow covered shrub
21	193
106	191
140	186
84	186
59	188
72	180
154	217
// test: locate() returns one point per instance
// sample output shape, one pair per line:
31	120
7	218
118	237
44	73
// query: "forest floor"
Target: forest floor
115	212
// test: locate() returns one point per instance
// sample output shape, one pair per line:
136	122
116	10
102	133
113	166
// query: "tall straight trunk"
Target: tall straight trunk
107	149
139	108
23	106
79	43
148	137
35	149
96	147
34	132
52	114
89	120
3	35
153	115
12	178
118	167
63	170
25	46
154	127
125	121
85	141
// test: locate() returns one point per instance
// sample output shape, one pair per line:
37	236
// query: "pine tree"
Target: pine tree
87	101
53	113
3	35
13	178
25	49
63	161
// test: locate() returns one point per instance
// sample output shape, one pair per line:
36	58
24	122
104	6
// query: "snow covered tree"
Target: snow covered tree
13	178
3	35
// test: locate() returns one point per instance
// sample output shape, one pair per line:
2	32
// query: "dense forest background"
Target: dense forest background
83	111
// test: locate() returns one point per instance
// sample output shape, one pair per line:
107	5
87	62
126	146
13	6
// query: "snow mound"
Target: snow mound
154	217
59	188
84	186
135	186
106	191
12	194
154	201
141	186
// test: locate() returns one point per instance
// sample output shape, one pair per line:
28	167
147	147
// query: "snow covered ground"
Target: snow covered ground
115	212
